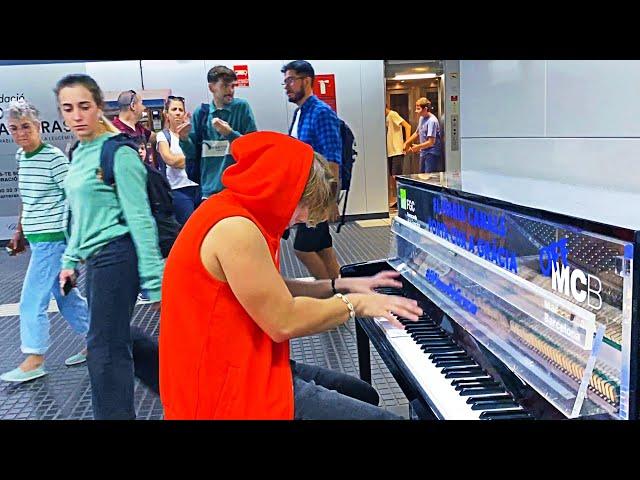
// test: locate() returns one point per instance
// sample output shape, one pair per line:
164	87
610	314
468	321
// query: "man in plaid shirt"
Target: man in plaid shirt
315	123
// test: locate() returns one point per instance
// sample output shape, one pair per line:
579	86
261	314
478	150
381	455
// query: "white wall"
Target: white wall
569	121
116	76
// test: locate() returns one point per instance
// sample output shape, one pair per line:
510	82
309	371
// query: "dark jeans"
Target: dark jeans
319	393
112	290
323	394
430	162
146	360
185	201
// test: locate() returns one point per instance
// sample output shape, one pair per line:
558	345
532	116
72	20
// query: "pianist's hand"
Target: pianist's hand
388	278
378	305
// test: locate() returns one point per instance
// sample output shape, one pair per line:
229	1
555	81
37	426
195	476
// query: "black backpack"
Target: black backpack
193	164
158	190
349	154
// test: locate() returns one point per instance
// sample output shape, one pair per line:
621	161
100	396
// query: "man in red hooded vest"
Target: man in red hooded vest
227	314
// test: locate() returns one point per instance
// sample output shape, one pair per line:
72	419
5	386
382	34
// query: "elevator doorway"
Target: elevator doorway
405	82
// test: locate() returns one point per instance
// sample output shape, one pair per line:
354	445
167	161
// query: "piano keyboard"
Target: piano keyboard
458	387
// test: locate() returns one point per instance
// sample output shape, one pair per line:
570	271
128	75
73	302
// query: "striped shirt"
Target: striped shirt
40	177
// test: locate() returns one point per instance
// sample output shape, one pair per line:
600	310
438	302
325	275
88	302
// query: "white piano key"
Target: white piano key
445	398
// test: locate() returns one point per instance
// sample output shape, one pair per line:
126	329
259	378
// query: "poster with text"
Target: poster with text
35	84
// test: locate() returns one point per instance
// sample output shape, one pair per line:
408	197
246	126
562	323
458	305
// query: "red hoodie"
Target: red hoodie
215	361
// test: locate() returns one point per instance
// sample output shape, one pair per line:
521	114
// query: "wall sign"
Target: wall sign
324	87
242	72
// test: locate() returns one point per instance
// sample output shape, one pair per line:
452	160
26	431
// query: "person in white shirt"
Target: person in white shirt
395	143
186	193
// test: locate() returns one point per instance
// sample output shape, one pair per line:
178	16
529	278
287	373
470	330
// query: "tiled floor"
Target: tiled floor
65	392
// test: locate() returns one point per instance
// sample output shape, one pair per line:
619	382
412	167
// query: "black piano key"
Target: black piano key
472	400
496	405
435	343
424	341
390	291
417	331
429	349
419	338
462	383
475	369
506	415
471	391
454	363
424	328
434	357
430	334
457	368
470	373
434	335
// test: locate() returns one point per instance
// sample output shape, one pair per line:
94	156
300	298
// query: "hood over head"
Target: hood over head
269	176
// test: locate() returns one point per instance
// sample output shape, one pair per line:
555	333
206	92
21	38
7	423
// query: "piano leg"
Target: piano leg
364	353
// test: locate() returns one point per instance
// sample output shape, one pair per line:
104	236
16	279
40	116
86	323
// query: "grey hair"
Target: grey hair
22	109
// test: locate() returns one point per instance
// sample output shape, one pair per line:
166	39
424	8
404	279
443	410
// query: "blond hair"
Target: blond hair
320	191
105	125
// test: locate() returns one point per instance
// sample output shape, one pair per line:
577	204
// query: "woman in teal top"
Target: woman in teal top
114	233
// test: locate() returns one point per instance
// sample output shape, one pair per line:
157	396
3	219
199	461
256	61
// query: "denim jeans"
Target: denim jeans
40	282
112	290
185	200
323	394
430	162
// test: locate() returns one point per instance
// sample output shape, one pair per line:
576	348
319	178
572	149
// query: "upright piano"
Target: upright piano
528	313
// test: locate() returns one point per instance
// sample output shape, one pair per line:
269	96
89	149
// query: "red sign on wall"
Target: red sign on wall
324	87
242	72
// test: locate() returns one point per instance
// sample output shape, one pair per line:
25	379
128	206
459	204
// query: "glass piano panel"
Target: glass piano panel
550	301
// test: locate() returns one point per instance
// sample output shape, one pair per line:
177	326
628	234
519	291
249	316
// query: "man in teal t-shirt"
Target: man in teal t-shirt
228	119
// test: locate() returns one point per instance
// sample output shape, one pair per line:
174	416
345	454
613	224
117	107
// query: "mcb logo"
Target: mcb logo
554	263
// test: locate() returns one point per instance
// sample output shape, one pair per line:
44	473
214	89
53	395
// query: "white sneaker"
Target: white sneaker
142	297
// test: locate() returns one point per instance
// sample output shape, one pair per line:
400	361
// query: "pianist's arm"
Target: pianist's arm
234	251
322	288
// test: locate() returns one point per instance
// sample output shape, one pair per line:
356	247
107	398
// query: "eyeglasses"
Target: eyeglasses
134	95
171	97
289	80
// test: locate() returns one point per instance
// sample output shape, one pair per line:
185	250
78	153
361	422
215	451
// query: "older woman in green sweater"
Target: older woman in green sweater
42	169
